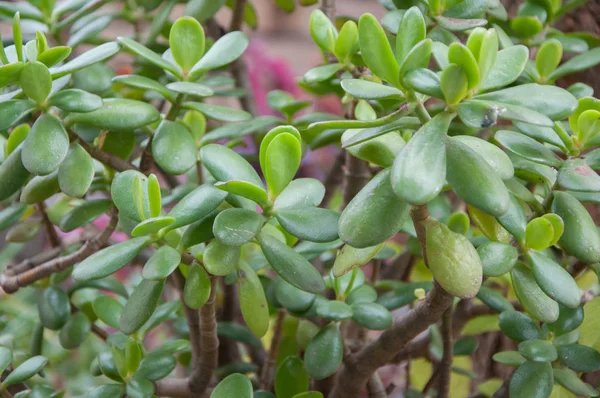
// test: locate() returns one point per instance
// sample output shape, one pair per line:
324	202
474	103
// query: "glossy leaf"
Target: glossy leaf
454	84
532	380
235	385
333	310
350	257
538	350
526	147
372	316
140	305
197	287
234	227
292	298
554	280
323	355
162	263
282	160
173	148
108	310
301	192
220	259
97	54
531	296
186	40
411	31
569	380
291	378
225	50
75	331
40	188
46	146
196	205
376	50
579	358
75	100
76	172
578	63
507	68
253	301
493	155
36	82
310	223
539	234
497	258
26	370
366	90
54	308
13	174
224	164
245	189
149	55
323	31
117	114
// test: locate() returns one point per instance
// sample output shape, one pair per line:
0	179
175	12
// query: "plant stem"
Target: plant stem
107	158
328	8
50	231
375	387
266	376
446	364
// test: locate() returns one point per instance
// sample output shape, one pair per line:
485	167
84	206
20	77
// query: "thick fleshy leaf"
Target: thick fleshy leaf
323	31
26	370
418	57
538	350
459	25
245	189
75	331
122	194
149	55
478	114
554	280
235	385
10	73
291	378
117	114
324	353
46	146
455	263
533	299
36	82
196	205
460	55
40	188
578	63
109	260
539	234
419	171
253	301
509	358
376	50
507	68
5	358
186	40
173	148
474	180
54	55
144	83
374	215
497	258
372	316
12	174
54	308
281	162
581	237
527	147
140	305
97	54
494	299
75	100
424	81
532	380
310	223
493	155
202	9
235	227
292	298
220	259
571	381
162	263
322	72
347	42
366	90
568	320
156	366
579	357
11	214
350	257
467	9
197	287
411	31
301	192
76	172
290	265
518	326
554	102
225	50
108	310
193	89
454	84
224	164
576	175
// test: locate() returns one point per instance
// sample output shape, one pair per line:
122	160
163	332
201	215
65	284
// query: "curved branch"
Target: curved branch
107	158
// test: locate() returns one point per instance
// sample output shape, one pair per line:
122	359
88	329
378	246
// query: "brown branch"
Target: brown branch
375	387
333	179
328	8
146	160
266	376
32	262
356	171
50	231
172	388
239	9
228	348
11	284
192	317
446	363
107	158
209	346
98	331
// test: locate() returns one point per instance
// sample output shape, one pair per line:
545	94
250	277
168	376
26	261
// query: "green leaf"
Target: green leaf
347	41
203	9
508	66
418	57
224	164
144	83
291	378
579	358
54	55
54	308
411	31
576	175
140	305
96	54
497	258
366	90
220	113
197	287
554	280
467	9
122	193
424	81
9	74
152	226
162	263
310	223
538	350
281	162
107	391
246	190
494	299
12	111
301	192
76	172
109	260
139	387
16	137
292	298
5	358
253	301
323	31
376	51
480	186
372	316
459	25
333	310
454	84
12	174
581	238
290	265
225	50
220	259
40	188
149	55
533	299
323	355
117	114
576	64
75	100
235	227
309	394
510	358
493	155
589	327
193	89
75	331
456	264
35	81
46	146
172	139
186	40
239	333
26	370
374	215
532	380
196	205
156	366
322	72
419	171
349	257
568	320
548	57
235	385
11	214
526	147
460	55
381	150
554	102
571	381
108	310
539	234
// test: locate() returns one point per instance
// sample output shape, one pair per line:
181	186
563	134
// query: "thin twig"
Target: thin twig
146	160
50	231
192	317
209	346
173	388
107	158
375	387
267	370
328	8
11	284
239	9
32	262
446	363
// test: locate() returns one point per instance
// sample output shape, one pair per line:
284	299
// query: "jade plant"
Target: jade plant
159	240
